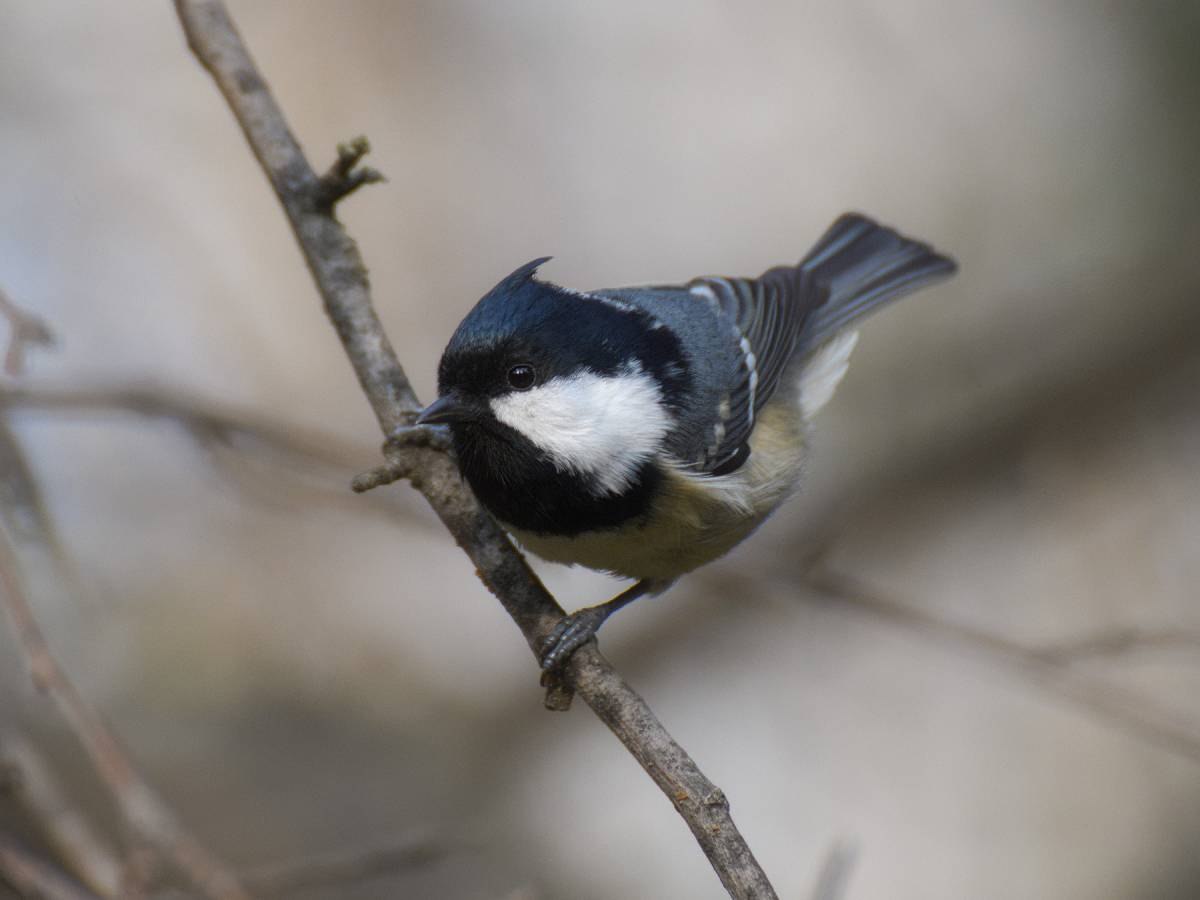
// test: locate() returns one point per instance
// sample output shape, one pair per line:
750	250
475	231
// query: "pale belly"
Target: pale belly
655	549
695	519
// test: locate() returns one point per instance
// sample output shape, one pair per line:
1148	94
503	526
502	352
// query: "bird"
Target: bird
647	431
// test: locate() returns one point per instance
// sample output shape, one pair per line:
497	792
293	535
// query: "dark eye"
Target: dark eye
521	377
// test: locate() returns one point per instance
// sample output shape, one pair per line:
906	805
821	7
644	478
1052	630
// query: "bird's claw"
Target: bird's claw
571	633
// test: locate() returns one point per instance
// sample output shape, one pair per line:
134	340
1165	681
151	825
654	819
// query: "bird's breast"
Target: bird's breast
691	519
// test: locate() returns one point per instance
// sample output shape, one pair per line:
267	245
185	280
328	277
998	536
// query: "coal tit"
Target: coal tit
646	431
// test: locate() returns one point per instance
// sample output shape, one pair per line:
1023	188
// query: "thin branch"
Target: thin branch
60	823
21	502
25	330
216	430
142	809
1120	642
341	279
32	876
345	176
22	507
1127	710
342	867
27	776
139	869
209	423
385	473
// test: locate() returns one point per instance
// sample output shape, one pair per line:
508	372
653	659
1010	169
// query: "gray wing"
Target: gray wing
766	316
856	267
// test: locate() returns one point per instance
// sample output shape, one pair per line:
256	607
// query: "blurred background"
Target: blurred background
968	654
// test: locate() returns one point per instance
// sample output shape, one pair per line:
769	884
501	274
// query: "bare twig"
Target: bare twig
32	876
25	330
22	506
27	776
341	279
405	854
21	503
345	176
138	870
396	465
385	473
1119	642
61	824
209	423
318	460
142	809
1127	710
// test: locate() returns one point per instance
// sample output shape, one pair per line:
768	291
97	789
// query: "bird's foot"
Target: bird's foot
571	633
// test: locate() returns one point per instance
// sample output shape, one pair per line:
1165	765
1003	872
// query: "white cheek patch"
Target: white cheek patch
603	426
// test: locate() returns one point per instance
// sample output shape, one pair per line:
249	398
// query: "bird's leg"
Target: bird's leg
575	630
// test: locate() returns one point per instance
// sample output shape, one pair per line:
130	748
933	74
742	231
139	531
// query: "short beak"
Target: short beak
443	410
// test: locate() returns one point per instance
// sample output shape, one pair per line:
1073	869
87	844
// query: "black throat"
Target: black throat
522	488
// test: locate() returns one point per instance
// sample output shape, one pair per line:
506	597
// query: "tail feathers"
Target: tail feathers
860	265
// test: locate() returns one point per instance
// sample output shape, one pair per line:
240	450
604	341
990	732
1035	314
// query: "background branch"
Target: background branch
25	330
147	815
341	278
59	821
34	877
207	422
1050	668
1118	642
249	448
341	867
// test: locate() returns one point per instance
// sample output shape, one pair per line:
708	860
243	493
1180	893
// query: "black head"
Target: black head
557	402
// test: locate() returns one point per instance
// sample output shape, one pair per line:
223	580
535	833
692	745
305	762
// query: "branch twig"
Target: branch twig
346	176
225	434
1125	709
26	330
22	508
342	867
146	814
59	822
1118	642
34	877
207	422
341	279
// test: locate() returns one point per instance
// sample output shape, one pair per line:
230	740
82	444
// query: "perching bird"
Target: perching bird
646	431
